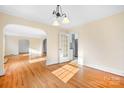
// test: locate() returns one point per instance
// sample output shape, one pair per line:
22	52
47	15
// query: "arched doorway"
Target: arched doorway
20	40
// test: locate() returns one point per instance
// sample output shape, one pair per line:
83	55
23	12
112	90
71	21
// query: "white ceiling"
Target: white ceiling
78	14
20	30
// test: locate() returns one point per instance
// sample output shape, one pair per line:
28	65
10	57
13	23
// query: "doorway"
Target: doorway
44	47
63	47
75	45
23	46
24	40
68	47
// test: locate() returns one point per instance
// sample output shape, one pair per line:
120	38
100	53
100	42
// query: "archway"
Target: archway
16	35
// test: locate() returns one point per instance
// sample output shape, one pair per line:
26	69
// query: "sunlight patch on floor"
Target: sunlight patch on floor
22	55
66	72
34	60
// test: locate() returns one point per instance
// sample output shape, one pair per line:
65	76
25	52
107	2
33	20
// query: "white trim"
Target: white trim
51	62
2	73
61	58
106	69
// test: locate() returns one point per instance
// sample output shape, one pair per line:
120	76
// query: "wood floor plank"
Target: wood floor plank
20	73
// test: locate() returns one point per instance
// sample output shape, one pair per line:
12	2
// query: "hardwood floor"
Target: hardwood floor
21	73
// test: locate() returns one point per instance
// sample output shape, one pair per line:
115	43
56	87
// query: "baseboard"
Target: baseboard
2	73
106	69
51	62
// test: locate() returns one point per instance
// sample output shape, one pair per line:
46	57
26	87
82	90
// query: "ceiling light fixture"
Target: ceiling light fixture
58	13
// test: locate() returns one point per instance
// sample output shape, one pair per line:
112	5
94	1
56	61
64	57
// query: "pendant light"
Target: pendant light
58	13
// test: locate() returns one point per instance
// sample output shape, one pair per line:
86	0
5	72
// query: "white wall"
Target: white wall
36	47
52	47
2	48
101	44
12	45
23	46
52	34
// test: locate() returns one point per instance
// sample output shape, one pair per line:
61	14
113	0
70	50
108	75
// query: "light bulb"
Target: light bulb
56	23
66	20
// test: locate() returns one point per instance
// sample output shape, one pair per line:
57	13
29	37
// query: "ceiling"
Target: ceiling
78	14
20	30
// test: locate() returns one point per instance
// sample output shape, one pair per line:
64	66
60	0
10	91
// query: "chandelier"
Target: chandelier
60	16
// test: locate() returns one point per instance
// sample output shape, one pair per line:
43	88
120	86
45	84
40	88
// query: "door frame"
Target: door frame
68	58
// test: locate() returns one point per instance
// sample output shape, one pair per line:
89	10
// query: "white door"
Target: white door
64	47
